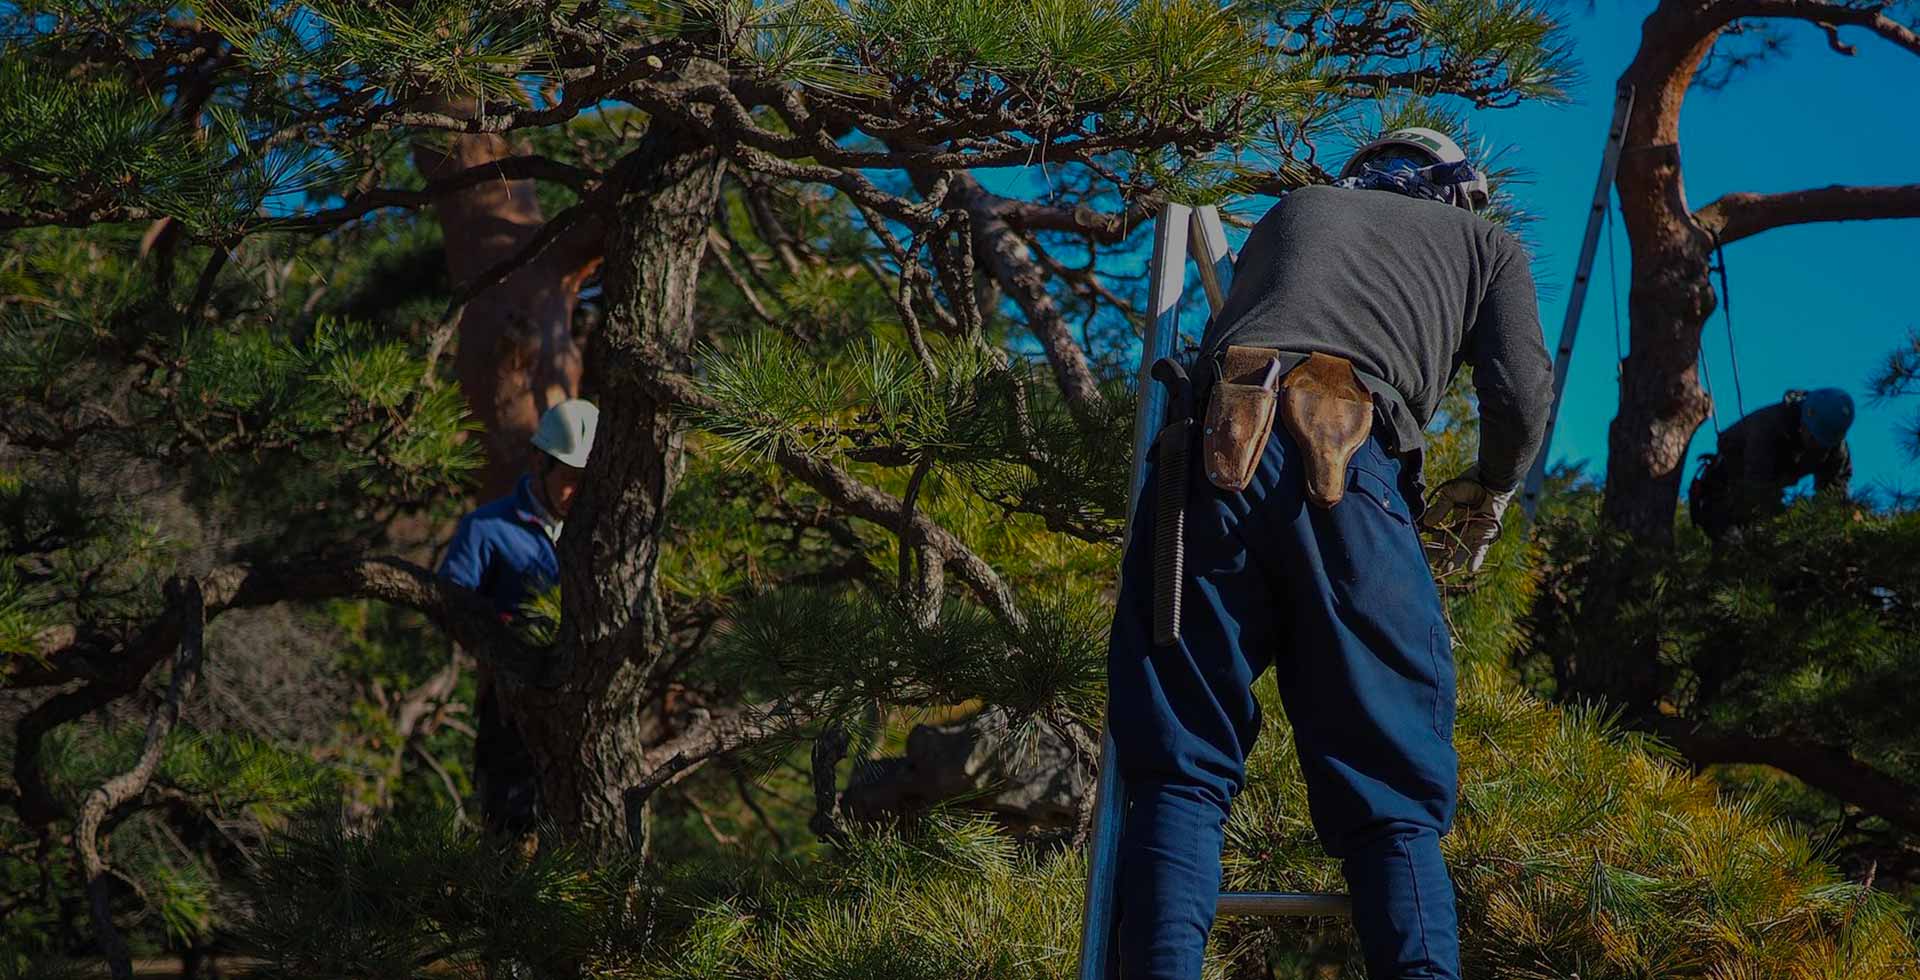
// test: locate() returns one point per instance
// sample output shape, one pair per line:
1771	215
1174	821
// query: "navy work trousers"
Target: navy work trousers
1340	603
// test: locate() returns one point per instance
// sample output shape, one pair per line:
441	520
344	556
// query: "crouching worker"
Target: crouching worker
1744	482
1292	466
505	550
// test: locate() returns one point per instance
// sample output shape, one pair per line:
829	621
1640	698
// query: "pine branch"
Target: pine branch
1831	769
1741	215
880	507
1013	266
114	671
1872	17
105	799
716	735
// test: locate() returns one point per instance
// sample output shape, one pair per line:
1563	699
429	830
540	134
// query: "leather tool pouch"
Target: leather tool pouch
1239	415
1330	415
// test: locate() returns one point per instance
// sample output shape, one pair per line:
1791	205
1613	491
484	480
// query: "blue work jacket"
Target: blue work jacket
502	551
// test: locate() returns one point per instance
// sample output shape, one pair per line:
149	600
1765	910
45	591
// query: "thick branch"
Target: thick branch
1737	216
468	619
885	509
1025	280
1825	15
114	670
1826	768
1103	227
717	736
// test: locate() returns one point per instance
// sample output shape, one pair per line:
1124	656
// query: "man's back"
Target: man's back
1766	447
1407	289
1755	460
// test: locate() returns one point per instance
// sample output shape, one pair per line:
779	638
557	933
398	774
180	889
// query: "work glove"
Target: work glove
1463	521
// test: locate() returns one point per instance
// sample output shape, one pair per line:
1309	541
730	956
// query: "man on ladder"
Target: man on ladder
1294	545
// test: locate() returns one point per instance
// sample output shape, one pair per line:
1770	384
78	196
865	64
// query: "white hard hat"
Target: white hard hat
1431	143
566	431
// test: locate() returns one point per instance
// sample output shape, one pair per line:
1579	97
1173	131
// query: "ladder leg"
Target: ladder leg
1213	256
1177	227
1166	280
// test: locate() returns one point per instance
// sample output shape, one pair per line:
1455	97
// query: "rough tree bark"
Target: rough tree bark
590	735
1661	399
517	355
1662	402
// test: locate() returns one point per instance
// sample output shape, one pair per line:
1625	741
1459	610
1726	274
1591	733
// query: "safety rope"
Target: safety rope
1726	307
1706	381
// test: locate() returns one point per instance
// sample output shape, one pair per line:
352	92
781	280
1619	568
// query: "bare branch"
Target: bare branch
1828	16
113	670
718	247
1740	215
116	792
880	507
1834	42
1104	227
718	735
1025	280
1830	769
467	618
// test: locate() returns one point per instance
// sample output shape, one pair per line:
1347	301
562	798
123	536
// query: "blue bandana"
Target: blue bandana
1443	182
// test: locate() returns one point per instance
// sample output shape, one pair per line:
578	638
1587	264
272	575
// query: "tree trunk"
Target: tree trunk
516	356
1661	400
590	736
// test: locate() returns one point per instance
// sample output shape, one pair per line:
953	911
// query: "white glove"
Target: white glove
1464	519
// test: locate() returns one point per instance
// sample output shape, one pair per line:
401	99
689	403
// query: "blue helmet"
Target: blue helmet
1826	413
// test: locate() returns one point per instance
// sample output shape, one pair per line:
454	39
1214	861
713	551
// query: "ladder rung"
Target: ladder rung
1267	904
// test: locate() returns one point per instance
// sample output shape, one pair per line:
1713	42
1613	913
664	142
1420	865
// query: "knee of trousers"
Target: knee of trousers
1165	733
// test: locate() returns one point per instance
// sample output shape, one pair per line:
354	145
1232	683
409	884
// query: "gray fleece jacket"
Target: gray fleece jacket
1408	290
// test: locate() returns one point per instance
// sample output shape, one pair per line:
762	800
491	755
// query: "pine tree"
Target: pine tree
855	465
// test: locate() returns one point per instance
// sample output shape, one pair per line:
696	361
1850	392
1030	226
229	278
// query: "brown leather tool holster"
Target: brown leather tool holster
1240	405
1330	415
1321	400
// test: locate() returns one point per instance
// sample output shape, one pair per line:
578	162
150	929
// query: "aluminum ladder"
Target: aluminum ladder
1178	230
1577	299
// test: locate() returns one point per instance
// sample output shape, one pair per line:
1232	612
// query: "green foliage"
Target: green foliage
1798	630
279	386
1577	850
1000	430
839	653
407	48
347	401
1899	377
953	899
69	551
245	775
416	896
212	792
94	140
1580	850
14	967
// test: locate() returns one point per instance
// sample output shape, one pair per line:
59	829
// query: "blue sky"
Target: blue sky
1813	305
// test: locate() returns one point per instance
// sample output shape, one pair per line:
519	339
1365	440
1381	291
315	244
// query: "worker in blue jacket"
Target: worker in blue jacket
505	551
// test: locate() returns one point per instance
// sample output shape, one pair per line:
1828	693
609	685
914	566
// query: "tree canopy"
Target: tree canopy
284	284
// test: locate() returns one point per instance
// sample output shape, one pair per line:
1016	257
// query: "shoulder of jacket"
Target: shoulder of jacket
491	514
